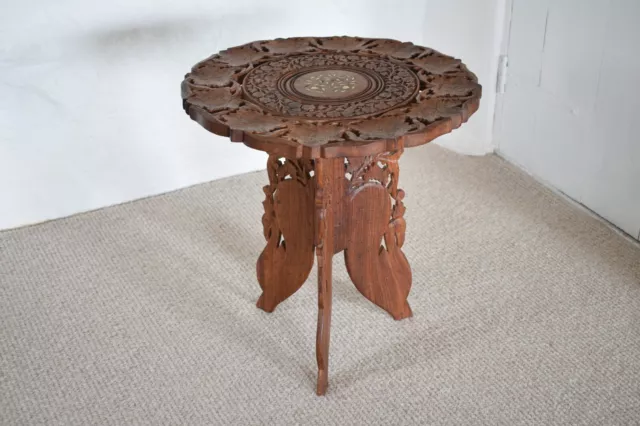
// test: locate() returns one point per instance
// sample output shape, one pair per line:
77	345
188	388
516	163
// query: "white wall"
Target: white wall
473	31
570	110
90	111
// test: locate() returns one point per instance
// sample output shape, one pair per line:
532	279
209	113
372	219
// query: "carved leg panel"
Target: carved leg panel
351	204
288	221
380	272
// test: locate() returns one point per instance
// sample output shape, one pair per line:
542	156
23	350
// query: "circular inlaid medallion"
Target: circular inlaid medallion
330	85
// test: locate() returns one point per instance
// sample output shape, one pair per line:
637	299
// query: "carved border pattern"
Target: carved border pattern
213	95
395	85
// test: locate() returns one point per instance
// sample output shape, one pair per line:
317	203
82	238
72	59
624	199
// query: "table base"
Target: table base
349	204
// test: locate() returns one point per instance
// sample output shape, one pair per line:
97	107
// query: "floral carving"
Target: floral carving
431	110
396	84
210	75
438	64
449	87
254	121
382	169
383	127
340	43
214	100
282	46
400	89
241	55
310	134
398	49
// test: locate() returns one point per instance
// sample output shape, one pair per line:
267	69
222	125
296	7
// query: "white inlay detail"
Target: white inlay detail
330	82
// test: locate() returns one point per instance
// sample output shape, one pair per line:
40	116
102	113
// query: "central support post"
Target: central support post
329	174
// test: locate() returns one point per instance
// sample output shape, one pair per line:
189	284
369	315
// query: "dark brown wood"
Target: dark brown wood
335	115
331	96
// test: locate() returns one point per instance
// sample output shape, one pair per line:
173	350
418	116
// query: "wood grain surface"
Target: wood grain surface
330	96
331	205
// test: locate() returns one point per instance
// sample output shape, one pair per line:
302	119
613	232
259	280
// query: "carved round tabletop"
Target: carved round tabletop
330	96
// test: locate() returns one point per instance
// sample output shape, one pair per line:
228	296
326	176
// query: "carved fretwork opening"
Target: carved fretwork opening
281	169
382	169
376	169
383	245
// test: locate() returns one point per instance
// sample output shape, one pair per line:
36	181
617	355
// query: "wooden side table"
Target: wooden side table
334	114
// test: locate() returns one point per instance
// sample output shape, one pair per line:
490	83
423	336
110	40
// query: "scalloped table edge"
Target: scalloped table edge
292	149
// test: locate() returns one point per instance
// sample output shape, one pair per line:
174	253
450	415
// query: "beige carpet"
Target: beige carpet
526	311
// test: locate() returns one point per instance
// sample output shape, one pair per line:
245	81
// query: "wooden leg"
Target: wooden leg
325	199
380	272
288	221
325	258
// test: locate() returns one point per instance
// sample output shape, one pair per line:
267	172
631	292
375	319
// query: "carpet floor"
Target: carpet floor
526	311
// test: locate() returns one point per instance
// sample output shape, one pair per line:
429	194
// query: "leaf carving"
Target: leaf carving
389	127
214	100
242	55
281	46
438	64
269	85
309	134
431	110
340	43
211	74
253	121
459	87
398	49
